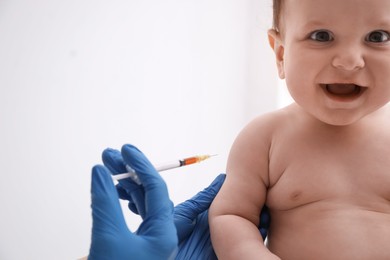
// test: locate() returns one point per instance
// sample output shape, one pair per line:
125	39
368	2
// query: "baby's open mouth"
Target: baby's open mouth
343	90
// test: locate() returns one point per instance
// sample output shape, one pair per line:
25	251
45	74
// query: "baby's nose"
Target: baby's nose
349	58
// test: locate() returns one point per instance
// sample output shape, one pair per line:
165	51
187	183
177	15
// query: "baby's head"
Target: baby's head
334	55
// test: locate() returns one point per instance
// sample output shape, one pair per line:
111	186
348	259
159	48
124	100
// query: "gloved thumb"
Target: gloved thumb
107	214
186	213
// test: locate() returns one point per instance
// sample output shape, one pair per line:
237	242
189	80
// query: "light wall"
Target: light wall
176	78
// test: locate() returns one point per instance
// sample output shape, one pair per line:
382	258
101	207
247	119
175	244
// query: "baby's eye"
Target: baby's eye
378	36
321	36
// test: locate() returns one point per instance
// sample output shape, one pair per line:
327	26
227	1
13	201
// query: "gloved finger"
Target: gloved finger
265	218
125	196
113	160
159	207
128	194
186	212
107	214
122	193
265	221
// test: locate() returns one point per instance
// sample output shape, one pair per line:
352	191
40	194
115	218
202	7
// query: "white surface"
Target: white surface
284	97
176	78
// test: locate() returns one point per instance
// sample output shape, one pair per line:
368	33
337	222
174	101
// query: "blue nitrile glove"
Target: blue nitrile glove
156	237
191	221
265	221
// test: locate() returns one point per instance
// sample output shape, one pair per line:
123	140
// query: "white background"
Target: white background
175	78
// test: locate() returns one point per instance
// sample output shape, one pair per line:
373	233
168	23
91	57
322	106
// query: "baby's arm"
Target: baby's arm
234	214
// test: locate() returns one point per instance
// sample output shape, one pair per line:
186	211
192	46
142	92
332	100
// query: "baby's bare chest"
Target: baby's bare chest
355	171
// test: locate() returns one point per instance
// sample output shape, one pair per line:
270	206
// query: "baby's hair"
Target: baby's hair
277	9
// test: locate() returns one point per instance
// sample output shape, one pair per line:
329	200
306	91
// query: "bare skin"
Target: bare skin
322	164
328	189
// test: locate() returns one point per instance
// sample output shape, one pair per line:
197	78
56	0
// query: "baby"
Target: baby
322	164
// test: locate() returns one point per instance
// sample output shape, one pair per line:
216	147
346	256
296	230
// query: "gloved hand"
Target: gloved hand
191	221
156	237
191	216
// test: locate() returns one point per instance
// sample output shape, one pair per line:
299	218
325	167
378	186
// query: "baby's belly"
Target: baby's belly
325	231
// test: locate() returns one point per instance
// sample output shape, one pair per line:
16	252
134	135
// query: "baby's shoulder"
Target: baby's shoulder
260	132
274	121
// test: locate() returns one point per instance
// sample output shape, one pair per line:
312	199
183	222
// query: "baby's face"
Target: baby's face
335	57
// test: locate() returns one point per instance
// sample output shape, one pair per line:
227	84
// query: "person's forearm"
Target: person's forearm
234	237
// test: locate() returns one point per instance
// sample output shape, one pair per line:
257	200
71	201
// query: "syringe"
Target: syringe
162	167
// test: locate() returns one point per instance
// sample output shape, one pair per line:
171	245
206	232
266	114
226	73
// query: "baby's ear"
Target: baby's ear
276	43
